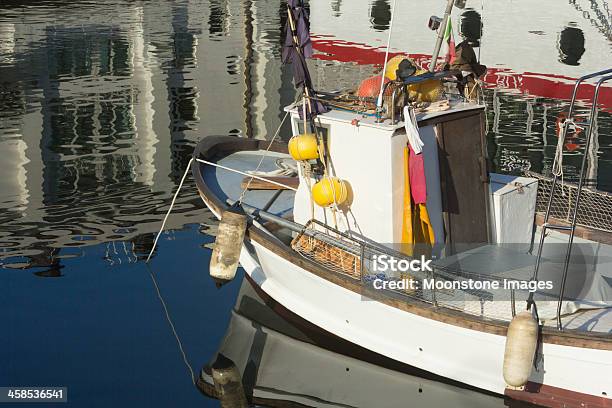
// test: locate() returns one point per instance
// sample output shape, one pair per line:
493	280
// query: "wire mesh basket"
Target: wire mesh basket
343	257
328	255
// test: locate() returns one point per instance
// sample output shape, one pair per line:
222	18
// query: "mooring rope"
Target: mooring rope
246	174
170	209
169	319
252	176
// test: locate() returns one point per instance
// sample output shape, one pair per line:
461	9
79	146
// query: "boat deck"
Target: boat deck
227	185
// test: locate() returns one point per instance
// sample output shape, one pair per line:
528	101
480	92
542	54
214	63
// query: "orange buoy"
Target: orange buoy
370	87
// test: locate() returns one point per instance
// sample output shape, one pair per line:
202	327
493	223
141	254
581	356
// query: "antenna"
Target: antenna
382	77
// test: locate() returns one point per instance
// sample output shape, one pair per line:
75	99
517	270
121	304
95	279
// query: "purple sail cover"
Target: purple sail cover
302	28
290	53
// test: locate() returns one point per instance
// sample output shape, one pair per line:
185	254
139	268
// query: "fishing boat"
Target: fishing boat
379	226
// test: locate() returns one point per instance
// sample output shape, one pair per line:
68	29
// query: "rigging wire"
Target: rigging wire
382	78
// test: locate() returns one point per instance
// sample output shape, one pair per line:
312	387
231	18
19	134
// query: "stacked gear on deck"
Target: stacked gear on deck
398	69
467	63
403	67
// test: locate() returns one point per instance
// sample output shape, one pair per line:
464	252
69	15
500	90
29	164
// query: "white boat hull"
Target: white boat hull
468	356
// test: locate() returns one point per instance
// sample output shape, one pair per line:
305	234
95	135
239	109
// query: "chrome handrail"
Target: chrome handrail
579	192
546	225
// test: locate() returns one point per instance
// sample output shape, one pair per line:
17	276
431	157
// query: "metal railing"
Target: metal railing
603	76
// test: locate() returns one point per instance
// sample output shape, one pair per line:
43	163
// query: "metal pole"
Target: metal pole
296	42
295	227
441	31
379	102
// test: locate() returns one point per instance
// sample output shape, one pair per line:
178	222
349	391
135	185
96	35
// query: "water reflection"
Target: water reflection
598	16
571	45
514	148
98	120
471	27
336	6
380	14
217	19
265	348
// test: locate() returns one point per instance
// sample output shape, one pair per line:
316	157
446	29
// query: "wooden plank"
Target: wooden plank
591	234
256	184
554	397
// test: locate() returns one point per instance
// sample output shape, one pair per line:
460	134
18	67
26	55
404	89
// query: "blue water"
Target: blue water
101	331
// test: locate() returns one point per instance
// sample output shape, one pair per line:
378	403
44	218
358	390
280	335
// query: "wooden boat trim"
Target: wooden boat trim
583	232
554	397
215	147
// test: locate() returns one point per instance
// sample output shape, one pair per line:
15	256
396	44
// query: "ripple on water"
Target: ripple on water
108	99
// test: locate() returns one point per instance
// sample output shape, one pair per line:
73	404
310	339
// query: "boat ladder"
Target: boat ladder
603	76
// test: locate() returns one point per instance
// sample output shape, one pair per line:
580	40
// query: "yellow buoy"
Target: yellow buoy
304	147
393	65
426	91
521	345
226	251
330	190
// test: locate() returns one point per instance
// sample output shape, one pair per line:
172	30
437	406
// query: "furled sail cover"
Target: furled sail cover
297	48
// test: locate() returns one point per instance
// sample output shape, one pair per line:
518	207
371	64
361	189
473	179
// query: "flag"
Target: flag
449	41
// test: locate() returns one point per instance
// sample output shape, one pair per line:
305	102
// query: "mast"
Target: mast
248	61
441	31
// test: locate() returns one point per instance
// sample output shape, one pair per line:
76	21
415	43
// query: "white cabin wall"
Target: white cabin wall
370	159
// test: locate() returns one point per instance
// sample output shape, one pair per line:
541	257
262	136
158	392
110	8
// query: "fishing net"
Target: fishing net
370	87
595	206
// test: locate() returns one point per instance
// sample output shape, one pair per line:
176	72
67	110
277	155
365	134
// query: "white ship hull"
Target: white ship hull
468	356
